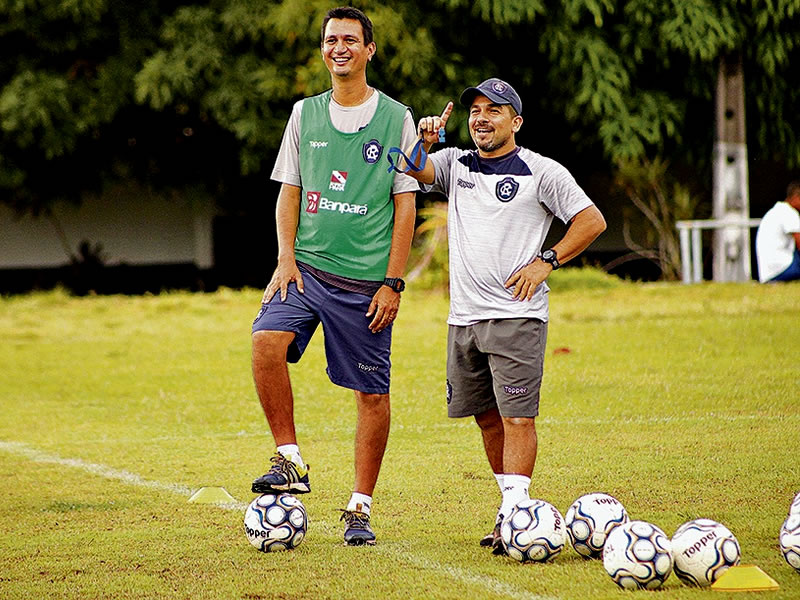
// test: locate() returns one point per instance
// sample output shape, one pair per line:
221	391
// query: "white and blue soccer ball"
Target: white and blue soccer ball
703	550
790	540
794	507
533	531
589	521
275	522
638	555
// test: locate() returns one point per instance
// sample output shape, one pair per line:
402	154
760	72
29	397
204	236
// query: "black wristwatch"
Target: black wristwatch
549	256
397	284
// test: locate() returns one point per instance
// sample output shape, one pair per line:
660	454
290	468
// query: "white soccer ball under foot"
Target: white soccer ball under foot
533	531
703	550
794	507
638	555
790	540
589	521
275	522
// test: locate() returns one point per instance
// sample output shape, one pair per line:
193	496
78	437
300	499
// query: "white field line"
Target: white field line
492	585
93	468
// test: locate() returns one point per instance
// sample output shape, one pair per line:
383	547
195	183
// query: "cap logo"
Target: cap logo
499	87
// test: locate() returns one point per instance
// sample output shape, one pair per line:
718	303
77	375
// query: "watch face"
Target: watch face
396	283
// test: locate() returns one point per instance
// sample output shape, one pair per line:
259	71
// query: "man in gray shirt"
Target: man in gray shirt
502	199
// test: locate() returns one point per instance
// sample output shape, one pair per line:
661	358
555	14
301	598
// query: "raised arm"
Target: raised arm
428	130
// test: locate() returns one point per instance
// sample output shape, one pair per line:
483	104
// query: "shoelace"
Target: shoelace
355	519
286	468
280	464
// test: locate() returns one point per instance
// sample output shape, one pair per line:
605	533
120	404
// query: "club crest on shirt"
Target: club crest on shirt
506	189
372	151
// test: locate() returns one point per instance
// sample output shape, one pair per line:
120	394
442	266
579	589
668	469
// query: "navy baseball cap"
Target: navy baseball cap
496	90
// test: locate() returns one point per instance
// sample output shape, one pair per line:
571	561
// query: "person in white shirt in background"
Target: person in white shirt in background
778	239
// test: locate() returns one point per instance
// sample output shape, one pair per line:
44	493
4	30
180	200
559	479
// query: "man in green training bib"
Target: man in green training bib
345	227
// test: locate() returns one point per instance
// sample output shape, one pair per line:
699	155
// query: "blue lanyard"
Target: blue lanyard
417	152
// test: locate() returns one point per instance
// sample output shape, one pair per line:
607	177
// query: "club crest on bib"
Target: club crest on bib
372	151
506	189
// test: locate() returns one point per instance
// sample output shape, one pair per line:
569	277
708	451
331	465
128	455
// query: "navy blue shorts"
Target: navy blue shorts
357	358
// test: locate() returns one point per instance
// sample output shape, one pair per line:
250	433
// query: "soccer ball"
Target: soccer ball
790	540
794	508
703	550
589	521
534	531
274	523
638	555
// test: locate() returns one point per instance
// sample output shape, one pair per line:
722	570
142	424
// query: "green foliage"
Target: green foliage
429	268
150	88
499	12
659	201
582	278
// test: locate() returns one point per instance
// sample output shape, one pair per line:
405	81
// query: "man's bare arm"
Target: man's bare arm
287	216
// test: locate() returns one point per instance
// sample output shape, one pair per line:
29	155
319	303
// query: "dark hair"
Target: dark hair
793	188
348	12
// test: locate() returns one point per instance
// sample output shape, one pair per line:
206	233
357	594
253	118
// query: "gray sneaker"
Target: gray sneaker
357	531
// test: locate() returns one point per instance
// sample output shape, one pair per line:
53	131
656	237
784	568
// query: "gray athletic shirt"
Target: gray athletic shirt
499	213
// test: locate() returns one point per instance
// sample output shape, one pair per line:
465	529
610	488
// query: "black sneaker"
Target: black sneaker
357	531
498	548
284	477
487	540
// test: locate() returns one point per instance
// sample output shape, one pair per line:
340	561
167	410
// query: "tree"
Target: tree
176	92
68	116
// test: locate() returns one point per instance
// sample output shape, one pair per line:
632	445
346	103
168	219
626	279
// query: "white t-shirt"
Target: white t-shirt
499	213
775	244
347	119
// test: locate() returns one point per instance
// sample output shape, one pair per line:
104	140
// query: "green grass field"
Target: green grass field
681	401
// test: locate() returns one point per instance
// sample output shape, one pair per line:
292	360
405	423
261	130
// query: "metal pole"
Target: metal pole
685	254
697	255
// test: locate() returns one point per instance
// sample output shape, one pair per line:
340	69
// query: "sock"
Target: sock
515	489
360	502
499	478
292	452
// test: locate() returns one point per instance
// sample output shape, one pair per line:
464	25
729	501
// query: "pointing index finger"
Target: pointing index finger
446	113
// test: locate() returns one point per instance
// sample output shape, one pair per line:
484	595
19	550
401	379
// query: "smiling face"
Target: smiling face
343	49
492	126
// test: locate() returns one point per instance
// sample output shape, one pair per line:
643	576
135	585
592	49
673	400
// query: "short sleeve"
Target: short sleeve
442	161
402	182
287	165
560	193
